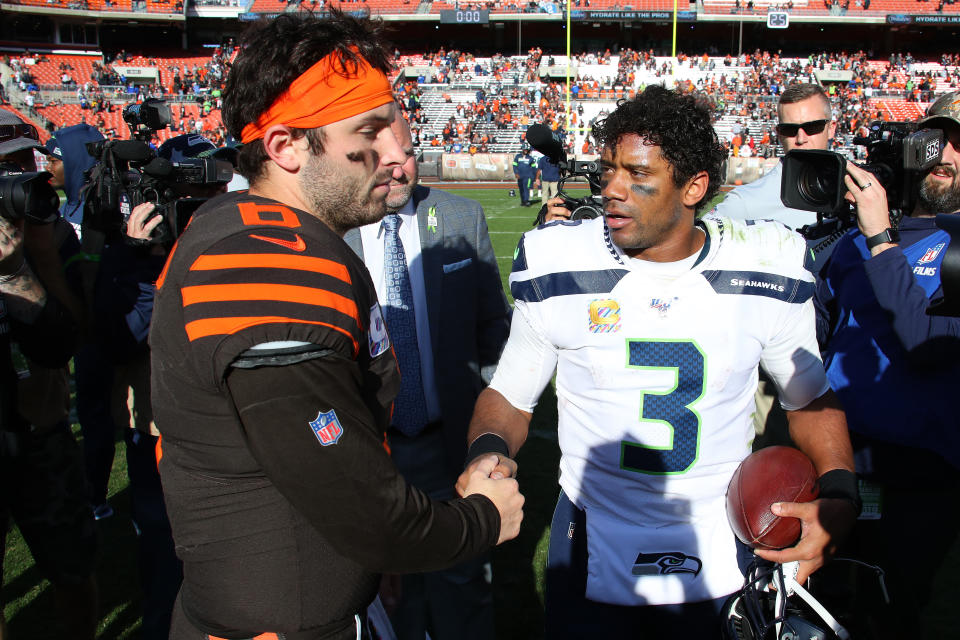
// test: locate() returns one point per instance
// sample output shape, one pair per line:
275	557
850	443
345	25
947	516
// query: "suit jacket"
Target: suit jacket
468	313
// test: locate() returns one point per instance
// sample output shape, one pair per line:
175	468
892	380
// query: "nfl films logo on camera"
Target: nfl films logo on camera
327	428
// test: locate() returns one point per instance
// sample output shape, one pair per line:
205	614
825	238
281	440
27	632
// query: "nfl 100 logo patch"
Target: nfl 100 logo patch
604	316
327	428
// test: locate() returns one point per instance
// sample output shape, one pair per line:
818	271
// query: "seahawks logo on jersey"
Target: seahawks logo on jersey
666	563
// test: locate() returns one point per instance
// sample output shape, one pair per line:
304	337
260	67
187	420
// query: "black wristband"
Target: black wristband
887	235
487	443
841	484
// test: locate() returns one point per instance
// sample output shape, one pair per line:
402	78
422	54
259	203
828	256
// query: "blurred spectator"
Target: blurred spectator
41	478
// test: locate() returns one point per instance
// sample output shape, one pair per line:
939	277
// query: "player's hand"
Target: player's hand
504	493
868	195
506	468
556	210
823	524
140	224
11	245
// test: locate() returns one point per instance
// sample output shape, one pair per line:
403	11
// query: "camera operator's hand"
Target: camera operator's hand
11	246
140	224
556	210
870	198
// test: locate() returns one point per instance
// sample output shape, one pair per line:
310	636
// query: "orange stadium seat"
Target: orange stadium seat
47	71
899	110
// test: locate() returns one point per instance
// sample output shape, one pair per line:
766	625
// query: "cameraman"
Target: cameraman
124	294
805	121
41	481
895	369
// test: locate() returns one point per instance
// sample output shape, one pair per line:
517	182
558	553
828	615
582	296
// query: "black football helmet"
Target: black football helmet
773	606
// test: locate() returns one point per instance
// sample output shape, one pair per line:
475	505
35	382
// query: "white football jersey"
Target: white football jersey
656	372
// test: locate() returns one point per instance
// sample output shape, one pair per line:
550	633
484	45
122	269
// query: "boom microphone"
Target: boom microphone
541	138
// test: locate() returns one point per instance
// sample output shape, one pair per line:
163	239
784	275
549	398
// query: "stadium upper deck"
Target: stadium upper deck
461	102
403	9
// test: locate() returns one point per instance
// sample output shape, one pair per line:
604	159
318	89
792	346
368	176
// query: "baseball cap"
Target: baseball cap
194	145
946	106
53	148
187	145
17	135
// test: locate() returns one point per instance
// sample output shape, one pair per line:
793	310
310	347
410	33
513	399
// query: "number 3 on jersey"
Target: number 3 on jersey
672	408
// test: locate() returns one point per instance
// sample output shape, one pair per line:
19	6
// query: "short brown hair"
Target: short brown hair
276	52
800	92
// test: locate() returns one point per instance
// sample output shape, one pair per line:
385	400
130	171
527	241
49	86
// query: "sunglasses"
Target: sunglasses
812	128
14	131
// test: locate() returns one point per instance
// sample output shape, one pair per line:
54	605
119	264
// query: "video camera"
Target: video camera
541	138
27	194
129	173
897	154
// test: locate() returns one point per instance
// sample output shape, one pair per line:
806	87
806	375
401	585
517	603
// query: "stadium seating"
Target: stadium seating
141	6
898	110
47	72
70	114
165	65
373	6
820	7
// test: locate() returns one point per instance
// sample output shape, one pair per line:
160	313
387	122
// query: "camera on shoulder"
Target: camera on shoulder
897	154
129	173
541	138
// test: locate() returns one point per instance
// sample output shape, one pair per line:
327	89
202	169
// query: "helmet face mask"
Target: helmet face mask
757	613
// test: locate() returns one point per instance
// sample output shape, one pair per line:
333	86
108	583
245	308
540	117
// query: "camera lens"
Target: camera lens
817	186
584	212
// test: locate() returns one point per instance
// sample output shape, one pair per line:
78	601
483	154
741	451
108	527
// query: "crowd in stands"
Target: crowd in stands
743	89
134	6
491	101
97	93
554	7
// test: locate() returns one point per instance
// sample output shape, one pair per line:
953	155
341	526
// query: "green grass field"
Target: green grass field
517	565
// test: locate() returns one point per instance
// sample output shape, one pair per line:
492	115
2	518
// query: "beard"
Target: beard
342	200
939	198
399	194
402	189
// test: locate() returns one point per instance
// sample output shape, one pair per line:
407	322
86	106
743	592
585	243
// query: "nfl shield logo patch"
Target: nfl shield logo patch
327	428
932	253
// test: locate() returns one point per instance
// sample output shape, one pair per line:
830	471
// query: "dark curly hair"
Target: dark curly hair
276	52
680	124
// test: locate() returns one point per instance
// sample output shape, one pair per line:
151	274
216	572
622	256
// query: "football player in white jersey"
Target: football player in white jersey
655	323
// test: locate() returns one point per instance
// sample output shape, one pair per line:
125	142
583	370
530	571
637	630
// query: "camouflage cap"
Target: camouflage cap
946	106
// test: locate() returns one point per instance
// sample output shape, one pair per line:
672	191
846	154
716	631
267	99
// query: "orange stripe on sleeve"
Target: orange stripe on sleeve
270	292
271	261
228	326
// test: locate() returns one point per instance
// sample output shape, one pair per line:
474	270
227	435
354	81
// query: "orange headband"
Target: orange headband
323	94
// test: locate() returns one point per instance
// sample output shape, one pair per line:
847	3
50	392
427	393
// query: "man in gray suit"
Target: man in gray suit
439	285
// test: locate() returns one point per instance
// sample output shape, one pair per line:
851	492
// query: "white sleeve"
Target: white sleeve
732	206
792	359
527	363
